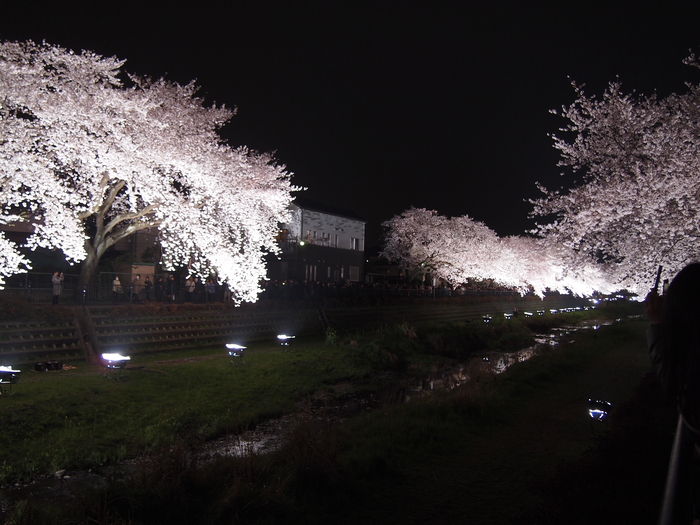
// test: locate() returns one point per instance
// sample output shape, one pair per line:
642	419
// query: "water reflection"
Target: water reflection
269	436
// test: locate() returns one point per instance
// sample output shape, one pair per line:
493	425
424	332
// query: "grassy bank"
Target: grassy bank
452	455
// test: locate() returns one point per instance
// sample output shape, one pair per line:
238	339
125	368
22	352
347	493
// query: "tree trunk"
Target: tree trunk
88	269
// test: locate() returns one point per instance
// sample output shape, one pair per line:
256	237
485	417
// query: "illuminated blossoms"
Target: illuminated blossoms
457	249
638	205
90	159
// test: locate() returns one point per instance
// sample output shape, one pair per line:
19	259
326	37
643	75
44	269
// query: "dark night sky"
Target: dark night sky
376	107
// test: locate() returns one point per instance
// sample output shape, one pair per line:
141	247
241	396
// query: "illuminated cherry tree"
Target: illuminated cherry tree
458	249
91	155
637	204
422	241
529	264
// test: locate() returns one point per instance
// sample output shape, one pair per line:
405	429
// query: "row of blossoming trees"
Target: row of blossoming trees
457	249
635	206
90	155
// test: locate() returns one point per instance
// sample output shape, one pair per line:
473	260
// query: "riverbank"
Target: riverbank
479	454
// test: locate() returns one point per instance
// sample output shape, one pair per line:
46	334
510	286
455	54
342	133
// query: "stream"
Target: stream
269	436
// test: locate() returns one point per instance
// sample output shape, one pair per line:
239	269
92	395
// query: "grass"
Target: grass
450	456
77	418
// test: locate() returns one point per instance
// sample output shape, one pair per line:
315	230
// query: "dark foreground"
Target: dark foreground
615	473
520	450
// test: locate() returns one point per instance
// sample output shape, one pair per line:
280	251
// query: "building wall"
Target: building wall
320	246
324	229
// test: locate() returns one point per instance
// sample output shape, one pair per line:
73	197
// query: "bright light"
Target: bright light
285	340
598	409
116	360
115	357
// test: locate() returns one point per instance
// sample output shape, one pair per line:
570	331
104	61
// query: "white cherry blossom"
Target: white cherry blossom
91	155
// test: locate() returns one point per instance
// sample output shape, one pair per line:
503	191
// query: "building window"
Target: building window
354	243
335	241
310	272
355	273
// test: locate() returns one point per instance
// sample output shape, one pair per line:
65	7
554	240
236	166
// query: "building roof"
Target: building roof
308	204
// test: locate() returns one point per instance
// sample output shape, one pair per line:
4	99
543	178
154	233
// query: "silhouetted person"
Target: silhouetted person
674	350
160	286
147	285
172	289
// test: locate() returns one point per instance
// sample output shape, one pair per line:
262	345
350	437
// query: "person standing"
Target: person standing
198	290
189	289
136	288
160	285
172	289
57	281
117	290
673	340
147	285
211	290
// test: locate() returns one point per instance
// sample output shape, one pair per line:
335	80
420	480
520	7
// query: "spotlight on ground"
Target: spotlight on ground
115	361
598	410
285	340
236	352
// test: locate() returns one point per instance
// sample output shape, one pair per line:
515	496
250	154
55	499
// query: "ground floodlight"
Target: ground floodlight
236	352
598	410
115	360
285	340
8	377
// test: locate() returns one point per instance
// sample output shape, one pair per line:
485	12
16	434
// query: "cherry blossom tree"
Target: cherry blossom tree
91	155
422	241
459	248
637	204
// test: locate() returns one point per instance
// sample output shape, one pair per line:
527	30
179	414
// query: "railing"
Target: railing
37	288
677	504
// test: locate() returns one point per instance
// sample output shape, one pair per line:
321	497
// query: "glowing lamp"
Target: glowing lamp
598	410
115	360
528	314
8	377
507	315
285	340
487	318
540	312
235	351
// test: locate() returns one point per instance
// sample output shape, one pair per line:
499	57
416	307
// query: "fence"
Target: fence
37	288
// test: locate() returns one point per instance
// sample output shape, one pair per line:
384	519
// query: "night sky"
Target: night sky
379	106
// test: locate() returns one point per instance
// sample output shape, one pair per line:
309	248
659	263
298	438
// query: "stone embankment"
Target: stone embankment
86	332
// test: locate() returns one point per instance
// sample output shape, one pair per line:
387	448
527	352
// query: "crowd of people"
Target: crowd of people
170	288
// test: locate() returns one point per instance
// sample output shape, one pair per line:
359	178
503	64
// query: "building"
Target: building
320	243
